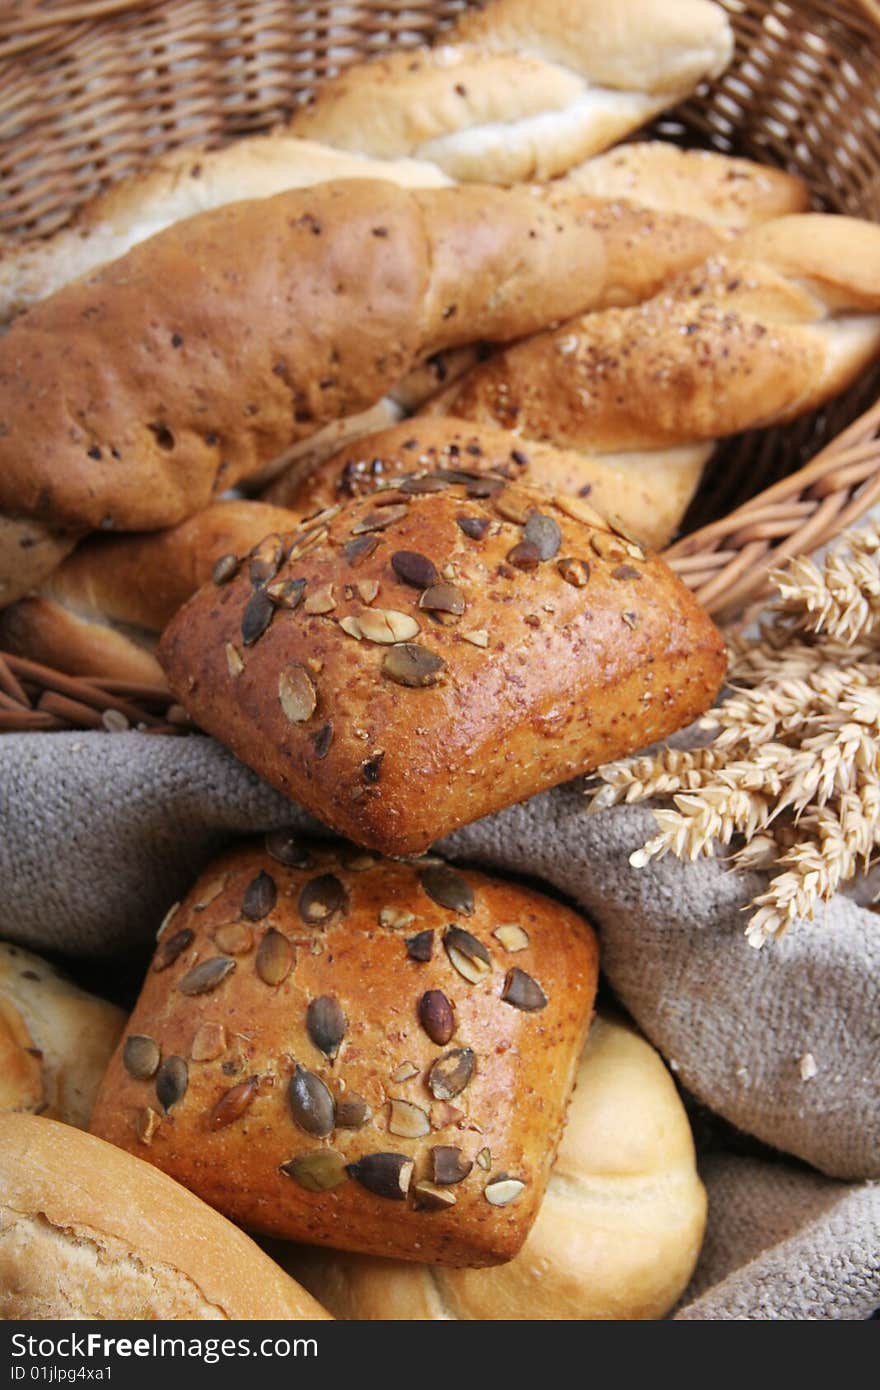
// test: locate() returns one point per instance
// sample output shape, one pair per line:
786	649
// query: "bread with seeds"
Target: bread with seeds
412	661
347	1051
87	1231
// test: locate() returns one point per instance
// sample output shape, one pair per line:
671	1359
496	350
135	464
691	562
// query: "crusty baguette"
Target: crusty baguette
520	90
55	1040
783	320
101	612
317	1002
618	1232
715	188
87	1231
129	399
649	503
520	673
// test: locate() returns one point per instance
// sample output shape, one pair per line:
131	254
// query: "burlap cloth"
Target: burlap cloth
101	833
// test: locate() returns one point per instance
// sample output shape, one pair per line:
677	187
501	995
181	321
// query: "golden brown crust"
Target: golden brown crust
310	305
542	680
378	1043
28	552
645	502
619	1229
87	1231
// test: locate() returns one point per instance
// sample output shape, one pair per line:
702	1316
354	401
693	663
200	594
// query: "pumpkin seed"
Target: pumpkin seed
574	572
422	484
234	663
443	598
406	1120
225	569
379	520
325	1024
523	992
512	936
297	694
405	1072
275	958
446	887
414	568
484	1158
321	898
414	666
428	1197
206	976
501	1191
352	1112
210	892
258	614
317	1172
234	1102
525	555
359	549
467	955
172	1079
421	946
320	601
394	917
311	1104
321	740
384	1174
146	1124
209	1042
260	897
282	845
579	510
474	527
351	627
140	1056
449	1165
544	533
234	938
386	625
171	948
286	593
625	572
436	1016
513	506
266	560
451	1073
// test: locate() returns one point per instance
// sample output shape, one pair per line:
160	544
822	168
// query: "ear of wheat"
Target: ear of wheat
790	780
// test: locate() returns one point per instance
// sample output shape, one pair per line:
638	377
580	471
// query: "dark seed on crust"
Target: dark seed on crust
359	549
448	888
420	946
286	593
318	1171
379	520
409	664
266	561
206	976
352	1112
282	845
225	569
140	1056
428	1197
519	457
172	1080
371	769
321	898
485	487
325	1024
542	532
525	555
171	948
234	1102
625	572
475	527
311	1104
384	1174
449	1165
523	992
467	955
414	568
260	897
451	1073
443	598
574	572
321	740
275	958
436	1016
421	485
257	616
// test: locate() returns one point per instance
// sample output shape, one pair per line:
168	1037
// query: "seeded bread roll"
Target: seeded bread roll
618	1232
649	502
413	661
129	399
358	1053
101	612
55	1040
87	1231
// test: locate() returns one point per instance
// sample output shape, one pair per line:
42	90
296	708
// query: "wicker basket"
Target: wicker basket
89	91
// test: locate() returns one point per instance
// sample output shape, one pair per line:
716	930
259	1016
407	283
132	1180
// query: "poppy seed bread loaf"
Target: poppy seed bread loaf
346	1051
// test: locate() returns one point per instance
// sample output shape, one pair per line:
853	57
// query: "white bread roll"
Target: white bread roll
87	1231
618	1232
55	1040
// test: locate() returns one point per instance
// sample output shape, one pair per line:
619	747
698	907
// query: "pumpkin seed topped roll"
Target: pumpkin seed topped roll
346	1051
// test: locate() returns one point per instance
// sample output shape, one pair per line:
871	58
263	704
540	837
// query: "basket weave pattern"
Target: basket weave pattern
91	91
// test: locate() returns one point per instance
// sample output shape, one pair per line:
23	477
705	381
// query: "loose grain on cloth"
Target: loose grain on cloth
103	832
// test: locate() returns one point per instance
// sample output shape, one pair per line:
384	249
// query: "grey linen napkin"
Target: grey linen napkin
102	833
